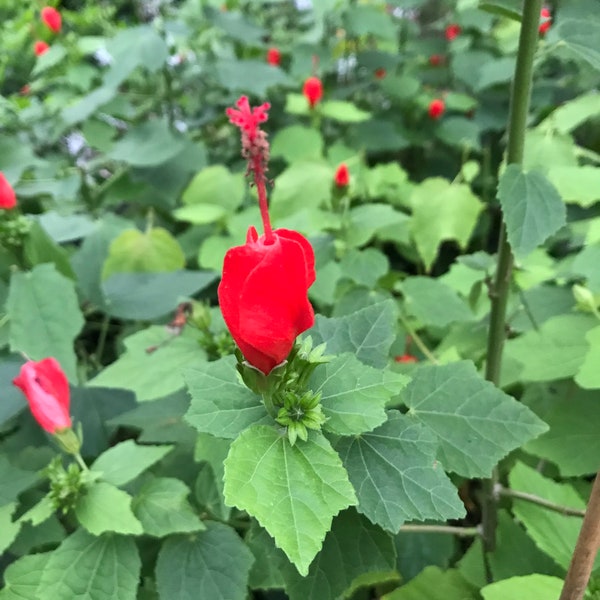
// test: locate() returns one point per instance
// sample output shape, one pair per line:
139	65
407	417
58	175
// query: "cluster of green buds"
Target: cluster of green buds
14	228
66	485
285	390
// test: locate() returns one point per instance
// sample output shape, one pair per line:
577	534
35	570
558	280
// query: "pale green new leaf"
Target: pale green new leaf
293	491
105	508
94	568
353	395
212	564
533	209
397	478
125	461
221	405
540	587
162	508
476	423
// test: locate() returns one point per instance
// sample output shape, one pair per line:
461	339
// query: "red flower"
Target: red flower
51	18
274	56
342	176
263	295
313	90
435	60
436	108
40	48
406	358
47	391
452	31
8	199
380	73
546	19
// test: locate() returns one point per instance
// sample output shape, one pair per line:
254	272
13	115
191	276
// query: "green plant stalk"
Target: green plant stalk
517	123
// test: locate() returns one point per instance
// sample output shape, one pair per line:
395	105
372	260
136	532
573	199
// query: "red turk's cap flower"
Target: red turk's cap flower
406	358
452	31
435	60
40	48
342	176
8	199
546	19
47	390
274	56
313	90
263	295
436	108
51	18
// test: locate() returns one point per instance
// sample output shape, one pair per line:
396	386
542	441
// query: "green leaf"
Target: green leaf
212	194
364	267
8	528
569	115
125	461
434	584
368	333
552	532
397	478
346	112
540	587
555	351
162	508
147	144
354	395
22	577
253	77
369	20
477	424
154	374
460	132
433	302
572	443
94	568
370	220
221	405
44	316
418	550
580	185
13	480
270	563
442	211
533	209
363	550
211	564
152	251
40	248
504	8
580	36
293	491
104	507
588	375
296	143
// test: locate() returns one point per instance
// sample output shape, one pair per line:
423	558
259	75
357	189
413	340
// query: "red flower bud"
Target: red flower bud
263	295
436	108
342	176
406	358
274	56
546	18
40	48
380	73
47	390
452	31
313	90
435	60
51	18
8	199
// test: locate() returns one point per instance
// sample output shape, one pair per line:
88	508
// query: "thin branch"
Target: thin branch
563	510
451	529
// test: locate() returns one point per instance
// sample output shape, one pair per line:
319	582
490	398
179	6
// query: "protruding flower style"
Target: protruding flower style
435	60
263	292
546	20
40	48
313	91
274	57
342	176
47	390
452	31
8	198
406	359
51	18
436	108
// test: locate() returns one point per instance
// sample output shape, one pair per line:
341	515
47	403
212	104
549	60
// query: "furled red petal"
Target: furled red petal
309	253
47	390
8	198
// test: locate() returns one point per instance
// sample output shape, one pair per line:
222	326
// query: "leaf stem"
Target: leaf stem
586	549
517	123
563	510
418	340
451	529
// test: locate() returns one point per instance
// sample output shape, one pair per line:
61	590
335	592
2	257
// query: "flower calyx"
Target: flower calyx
299	414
